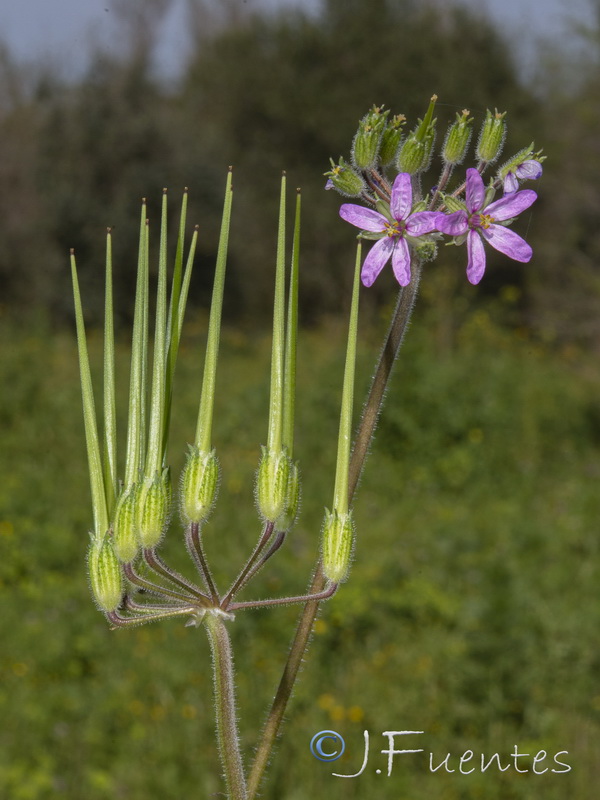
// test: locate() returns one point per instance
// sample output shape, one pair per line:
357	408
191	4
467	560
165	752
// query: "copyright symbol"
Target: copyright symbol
327	745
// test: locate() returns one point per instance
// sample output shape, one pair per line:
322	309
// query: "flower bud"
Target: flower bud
457	139
338	536
125	539
525	165
105	574
491	138
153	511
365	148
415	154
343	178
287	518
199	485
390	140
272	480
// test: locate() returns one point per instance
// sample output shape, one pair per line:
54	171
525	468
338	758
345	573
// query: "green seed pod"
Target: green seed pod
491	138
365	148
288	517
125	539
338	536
199	485
390	140
416	152
167	487
153	511
105	575
345	180
457	139
272	479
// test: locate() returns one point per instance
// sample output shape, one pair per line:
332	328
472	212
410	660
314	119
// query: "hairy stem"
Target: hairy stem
155	562
285	601
227	733
248	569
364	436
196	551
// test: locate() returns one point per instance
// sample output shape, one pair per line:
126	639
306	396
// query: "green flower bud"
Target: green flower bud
365	148
491	138
346	180
125	539
272	484
457	139
152	511
105	574
287	518
390	140
338	536
415	154
199	485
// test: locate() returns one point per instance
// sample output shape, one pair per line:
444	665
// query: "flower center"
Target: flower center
485	220
395	228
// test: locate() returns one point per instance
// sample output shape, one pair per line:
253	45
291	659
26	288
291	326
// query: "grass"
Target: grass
470	612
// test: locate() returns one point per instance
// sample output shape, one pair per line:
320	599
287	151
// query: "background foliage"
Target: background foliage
471	611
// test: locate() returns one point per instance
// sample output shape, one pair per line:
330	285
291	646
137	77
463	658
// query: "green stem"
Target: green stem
366	430
227	733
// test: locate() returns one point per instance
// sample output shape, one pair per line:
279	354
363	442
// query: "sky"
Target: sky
61	30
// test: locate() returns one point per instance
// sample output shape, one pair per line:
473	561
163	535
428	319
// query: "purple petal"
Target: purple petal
511	184
511	205
453	224
376	260
476	262
401	262
401	202
529	170
508	242
421	222
364	218
475	193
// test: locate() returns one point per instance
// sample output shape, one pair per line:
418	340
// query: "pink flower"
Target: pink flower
478	222
396	233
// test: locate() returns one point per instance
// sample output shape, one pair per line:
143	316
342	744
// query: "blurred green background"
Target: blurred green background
472	610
